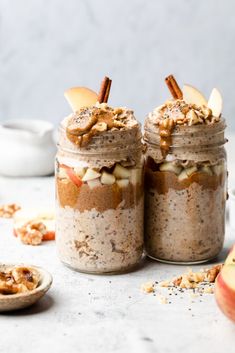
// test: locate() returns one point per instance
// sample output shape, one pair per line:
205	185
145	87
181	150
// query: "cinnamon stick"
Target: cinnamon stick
104	90
173	87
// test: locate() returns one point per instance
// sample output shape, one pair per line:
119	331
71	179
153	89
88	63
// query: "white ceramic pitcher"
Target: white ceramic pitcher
27	148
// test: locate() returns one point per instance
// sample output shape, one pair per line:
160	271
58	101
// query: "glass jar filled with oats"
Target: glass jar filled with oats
99	183
185	181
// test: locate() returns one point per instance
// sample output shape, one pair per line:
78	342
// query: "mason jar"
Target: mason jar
185	193
99	192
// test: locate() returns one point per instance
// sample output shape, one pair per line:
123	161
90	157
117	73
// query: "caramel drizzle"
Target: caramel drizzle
165	130
104	90
173	87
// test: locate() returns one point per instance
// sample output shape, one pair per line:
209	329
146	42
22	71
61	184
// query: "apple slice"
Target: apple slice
107	179
187	172
122	183
62	173
121	172
191	95
80	171
79	97
225	291
91	174
231	257
218	169
215	102
71	174
94	183
136	176
206	169
170	167
183	175
73	177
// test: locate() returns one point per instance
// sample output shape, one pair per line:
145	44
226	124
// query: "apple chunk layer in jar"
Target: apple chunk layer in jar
100	190
185	183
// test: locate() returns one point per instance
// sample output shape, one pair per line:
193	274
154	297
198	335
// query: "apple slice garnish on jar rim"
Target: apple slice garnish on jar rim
79	97
215	102
192	95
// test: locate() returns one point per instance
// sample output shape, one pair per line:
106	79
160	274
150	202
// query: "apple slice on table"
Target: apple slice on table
79	97
225	291
225	286
191	95
230	260
46	217
215	102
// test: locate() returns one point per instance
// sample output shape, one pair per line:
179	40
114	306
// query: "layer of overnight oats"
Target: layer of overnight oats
99	187
185	182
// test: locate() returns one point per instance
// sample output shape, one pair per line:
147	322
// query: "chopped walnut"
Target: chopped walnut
192	117
148	287
8	211
192	279
31	233
102	126
165	284
183	114
213	272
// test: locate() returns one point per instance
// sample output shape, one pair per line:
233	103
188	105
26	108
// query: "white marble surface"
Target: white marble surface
48	46
87	313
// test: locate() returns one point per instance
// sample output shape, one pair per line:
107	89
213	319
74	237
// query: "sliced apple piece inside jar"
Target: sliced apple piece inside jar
122	183
94	183
191	95
136	176
71	174
183	175
218	169
191	170
187	172
170	167
73	177
107	178
79	97
121	172
206	169
62	174
91	174
80	171
215	102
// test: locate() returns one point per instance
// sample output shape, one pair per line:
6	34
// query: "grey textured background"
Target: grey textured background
50	45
